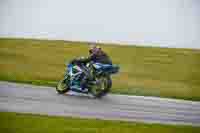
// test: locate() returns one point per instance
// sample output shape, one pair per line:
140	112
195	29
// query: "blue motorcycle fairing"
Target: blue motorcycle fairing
76	73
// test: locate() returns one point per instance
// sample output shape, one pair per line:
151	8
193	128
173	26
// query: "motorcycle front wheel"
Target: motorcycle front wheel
62	86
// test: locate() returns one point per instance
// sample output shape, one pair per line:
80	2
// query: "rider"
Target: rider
97	55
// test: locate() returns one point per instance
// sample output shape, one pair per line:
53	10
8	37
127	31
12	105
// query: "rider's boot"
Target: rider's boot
83	85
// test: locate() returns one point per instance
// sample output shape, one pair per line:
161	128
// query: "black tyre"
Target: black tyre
62	86
108	85
102	87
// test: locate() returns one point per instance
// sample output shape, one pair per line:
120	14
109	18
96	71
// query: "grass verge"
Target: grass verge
148	71
28	123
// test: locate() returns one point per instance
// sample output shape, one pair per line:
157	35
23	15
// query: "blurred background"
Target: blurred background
168	23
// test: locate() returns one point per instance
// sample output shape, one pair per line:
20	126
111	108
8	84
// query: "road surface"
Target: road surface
44	100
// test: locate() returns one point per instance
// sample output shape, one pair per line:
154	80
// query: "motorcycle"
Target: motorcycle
90	78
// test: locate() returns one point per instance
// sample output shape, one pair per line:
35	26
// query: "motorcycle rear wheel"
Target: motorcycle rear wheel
102	87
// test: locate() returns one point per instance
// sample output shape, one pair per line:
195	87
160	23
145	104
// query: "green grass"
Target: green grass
149	71
27	123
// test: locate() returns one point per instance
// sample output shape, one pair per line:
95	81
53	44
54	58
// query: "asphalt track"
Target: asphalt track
44	100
